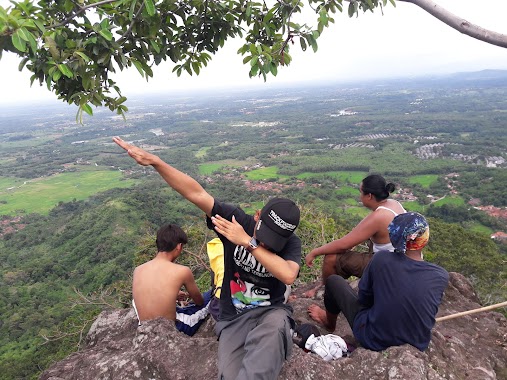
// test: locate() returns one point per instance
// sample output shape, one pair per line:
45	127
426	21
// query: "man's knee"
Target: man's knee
334	286
329	260
336	289
352	263
336	281
273	331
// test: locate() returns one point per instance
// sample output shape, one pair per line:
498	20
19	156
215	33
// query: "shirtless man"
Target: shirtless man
157	283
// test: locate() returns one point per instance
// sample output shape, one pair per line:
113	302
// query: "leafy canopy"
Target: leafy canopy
73	46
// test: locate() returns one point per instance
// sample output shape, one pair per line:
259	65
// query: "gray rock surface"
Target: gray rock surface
470	347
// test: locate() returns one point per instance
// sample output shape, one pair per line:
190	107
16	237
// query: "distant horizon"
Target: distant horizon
133	96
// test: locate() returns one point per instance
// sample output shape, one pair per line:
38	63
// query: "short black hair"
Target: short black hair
376	184
169	236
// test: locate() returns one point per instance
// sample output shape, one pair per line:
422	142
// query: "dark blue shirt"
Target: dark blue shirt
401	297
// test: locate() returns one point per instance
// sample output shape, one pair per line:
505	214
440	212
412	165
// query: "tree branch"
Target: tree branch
79	11
461	25
75	330
199	259
134	19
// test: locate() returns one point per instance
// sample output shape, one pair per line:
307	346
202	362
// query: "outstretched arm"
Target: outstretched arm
360	233
188	187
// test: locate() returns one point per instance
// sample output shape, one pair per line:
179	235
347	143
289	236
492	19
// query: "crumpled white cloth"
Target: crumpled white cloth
328	347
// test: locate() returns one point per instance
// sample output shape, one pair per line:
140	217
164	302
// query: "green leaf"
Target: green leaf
268	16
65	70
68	5
273	69
22	64
150	7
86	81
82	55
32	42
352	9
312	42
86	107
303	44
155	46
149	72
196	67
393	3
243	49
131	10
18	43
106	34
40	25
56	75
139	67
23	34
104	24
254	70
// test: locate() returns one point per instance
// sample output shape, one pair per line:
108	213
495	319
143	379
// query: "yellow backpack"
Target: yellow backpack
215	251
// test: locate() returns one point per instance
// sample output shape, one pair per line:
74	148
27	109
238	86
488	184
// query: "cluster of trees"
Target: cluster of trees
486	184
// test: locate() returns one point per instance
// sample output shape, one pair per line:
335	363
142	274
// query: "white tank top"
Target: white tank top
387	246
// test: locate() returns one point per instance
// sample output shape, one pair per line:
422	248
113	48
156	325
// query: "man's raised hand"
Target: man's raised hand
141	156
233	231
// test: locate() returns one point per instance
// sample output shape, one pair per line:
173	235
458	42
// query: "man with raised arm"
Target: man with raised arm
262	257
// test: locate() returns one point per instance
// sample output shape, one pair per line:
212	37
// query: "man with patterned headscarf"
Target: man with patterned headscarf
399	293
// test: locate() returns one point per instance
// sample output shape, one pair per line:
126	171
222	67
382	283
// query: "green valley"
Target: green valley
77	214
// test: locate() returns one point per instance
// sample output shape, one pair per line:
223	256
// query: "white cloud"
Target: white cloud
404	41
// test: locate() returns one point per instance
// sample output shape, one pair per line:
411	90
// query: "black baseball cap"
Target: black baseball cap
278	220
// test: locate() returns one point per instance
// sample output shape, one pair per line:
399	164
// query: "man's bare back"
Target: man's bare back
156	285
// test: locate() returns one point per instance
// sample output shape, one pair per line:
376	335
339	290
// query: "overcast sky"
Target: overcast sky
405	41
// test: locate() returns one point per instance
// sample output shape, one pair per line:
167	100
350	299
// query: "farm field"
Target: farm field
423	180
41	195
211	167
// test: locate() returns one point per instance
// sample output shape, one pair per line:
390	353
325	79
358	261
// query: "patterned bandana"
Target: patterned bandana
409	231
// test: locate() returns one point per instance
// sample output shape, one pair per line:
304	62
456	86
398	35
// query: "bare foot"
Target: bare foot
319	315
312	292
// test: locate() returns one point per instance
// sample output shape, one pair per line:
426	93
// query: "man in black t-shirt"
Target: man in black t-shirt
262	256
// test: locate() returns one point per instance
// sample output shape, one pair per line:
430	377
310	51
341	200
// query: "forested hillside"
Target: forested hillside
77	214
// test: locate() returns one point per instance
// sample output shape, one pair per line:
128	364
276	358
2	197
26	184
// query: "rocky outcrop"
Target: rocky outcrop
469	347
